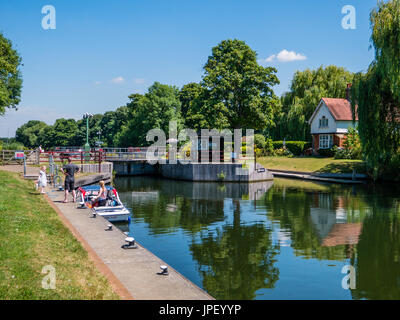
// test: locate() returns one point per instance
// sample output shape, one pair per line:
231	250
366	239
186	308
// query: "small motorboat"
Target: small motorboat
113	210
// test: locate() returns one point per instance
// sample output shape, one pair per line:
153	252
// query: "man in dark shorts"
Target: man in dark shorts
69	170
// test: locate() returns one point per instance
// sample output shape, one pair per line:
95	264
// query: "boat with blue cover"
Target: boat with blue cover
113	210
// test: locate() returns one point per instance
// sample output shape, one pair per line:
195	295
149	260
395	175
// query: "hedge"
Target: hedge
296	147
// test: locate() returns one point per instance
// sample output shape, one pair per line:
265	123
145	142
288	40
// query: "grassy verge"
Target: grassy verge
312	164
32	236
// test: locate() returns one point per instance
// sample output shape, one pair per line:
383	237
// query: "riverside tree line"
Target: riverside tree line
237	92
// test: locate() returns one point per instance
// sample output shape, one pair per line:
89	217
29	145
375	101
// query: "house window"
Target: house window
325	141
323	122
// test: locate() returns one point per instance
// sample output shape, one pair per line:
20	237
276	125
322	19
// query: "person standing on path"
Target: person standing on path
42	179
69	185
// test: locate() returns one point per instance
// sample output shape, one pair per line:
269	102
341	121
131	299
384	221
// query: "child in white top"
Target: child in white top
42	179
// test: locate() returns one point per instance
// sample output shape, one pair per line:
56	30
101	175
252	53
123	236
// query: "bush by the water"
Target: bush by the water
267	147
392	170
295	147
326	152
351	147
343	153
259	141
264	146
283	152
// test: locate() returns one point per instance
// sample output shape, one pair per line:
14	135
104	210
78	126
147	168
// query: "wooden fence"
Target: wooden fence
8	157
104	167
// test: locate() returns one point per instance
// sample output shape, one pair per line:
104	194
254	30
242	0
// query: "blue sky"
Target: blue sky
102	51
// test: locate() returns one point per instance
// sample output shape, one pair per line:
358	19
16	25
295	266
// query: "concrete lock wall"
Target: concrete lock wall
228	172
232	172
131	168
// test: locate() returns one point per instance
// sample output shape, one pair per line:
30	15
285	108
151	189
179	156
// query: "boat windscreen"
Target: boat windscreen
96	188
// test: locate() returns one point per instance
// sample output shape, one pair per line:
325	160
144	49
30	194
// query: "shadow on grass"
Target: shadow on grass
343	167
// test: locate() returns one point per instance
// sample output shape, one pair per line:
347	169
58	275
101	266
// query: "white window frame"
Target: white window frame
325	141
323	122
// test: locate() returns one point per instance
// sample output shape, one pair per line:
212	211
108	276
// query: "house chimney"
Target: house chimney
348	92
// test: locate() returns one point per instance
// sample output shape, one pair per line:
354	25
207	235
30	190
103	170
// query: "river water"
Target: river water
286	239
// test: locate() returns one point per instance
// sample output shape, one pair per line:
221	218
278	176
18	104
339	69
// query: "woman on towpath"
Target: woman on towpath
101	198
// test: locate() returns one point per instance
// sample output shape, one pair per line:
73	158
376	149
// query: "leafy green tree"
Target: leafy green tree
62	133
377	94
188	93
10	76
29	132
94	128
306	91
155	109
199	111
238	87
206	113
111	123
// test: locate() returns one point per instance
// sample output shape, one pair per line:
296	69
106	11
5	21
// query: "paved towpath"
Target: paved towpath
134	271
304	176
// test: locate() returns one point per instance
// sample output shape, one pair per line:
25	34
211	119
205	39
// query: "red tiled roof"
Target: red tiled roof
343	233
340	108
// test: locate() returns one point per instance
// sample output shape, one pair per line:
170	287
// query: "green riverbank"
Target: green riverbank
312	164
33	236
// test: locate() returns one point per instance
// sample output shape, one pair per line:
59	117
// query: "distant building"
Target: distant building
330	123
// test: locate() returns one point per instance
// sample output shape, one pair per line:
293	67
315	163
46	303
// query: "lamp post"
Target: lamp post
87	146
99	141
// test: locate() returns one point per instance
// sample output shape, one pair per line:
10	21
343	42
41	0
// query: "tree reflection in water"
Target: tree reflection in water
237	260
234	252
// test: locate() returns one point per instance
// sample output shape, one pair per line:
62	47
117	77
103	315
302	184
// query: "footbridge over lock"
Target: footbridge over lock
208	166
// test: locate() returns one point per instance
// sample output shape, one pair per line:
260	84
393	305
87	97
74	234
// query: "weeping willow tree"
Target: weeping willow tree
306	90
377	93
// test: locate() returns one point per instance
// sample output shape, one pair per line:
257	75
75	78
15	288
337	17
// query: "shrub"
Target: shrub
391	172
14	146
295	147
263	146
351	147
269	147
259	141
326	152
343	153
283	152
221	176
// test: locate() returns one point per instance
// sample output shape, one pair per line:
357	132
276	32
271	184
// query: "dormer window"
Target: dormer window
323	122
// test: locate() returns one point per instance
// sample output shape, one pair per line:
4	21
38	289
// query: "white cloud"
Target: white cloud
287	56
118	80
97	83
284	56
270	58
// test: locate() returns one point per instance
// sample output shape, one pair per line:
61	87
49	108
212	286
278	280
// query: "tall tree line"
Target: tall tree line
377	94
235	92
296	106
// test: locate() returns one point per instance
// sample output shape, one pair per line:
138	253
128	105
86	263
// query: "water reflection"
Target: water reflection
238	260
169	205
283	240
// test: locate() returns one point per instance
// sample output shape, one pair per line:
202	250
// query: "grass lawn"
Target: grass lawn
32	236
312	164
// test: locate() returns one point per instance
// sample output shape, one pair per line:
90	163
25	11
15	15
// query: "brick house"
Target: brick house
330	123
